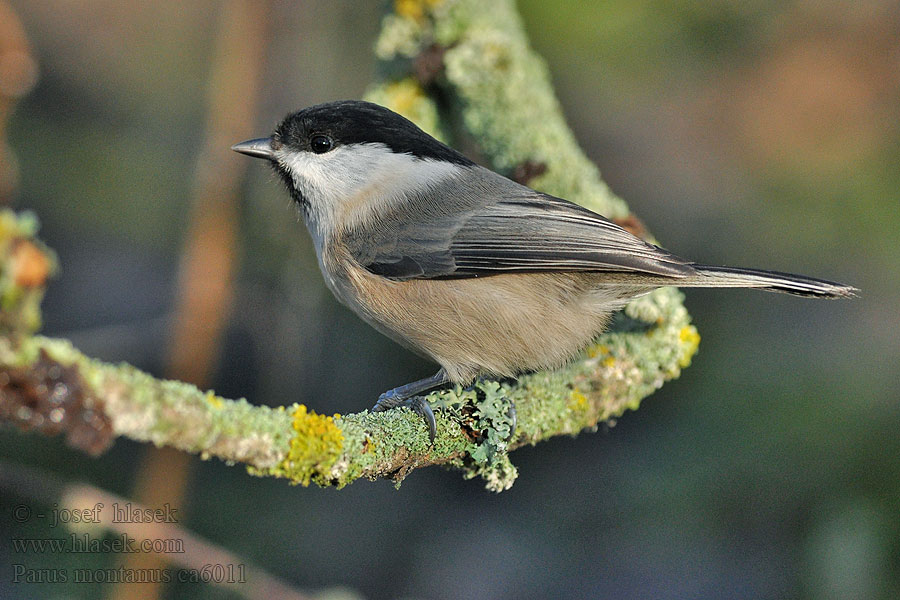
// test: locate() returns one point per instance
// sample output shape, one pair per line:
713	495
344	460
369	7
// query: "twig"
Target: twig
47	381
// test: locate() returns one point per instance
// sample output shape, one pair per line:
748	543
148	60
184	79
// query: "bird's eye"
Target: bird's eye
321	144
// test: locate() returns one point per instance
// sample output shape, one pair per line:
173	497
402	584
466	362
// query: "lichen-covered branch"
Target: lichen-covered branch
470	59
444	63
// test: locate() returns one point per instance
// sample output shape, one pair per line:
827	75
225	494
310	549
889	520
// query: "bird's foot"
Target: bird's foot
417	404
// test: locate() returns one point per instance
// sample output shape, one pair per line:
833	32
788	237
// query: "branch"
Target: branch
473	58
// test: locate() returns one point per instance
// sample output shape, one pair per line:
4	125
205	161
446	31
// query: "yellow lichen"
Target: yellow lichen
688	336
414	9
9	226
407	98
315	447
577	401
405	95
214	400
597	350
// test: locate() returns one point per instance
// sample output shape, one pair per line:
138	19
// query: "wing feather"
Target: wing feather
518	230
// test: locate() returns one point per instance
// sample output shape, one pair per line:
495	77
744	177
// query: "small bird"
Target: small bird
481	274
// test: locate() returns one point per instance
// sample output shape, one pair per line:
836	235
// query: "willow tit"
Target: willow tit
478	273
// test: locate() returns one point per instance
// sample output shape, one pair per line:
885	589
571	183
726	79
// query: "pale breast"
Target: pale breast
502	325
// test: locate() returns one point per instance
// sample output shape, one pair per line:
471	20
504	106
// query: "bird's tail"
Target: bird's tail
773	281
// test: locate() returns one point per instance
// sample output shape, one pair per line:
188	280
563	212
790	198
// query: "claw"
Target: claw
417	404
421	407
408	396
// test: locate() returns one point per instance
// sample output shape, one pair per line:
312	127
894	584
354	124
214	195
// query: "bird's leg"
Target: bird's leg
408	396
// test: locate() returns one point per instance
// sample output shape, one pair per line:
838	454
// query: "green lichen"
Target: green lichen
499	474
495	421
400	37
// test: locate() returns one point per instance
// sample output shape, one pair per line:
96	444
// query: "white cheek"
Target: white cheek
352	184
317	177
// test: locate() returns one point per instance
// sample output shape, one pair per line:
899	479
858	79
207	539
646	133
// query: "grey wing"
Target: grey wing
518	230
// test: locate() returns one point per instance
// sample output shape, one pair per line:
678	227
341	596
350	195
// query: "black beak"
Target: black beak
258	148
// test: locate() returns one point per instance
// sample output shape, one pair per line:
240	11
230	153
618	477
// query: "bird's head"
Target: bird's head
345	161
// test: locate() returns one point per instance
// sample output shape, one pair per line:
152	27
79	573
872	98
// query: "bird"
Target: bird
478	273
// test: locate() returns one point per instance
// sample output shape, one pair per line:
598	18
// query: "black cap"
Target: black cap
358	122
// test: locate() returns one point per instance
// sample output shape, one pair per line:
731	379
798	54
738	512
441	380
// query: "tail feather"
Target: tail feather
774	281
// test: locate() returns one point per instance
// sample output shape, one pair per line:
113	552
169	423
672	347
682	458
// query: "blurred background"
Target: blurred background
756	133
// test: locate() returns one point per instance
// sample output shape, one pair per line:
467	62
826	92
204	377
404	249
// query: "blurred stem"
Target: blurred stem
207	265
18	74
205	289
